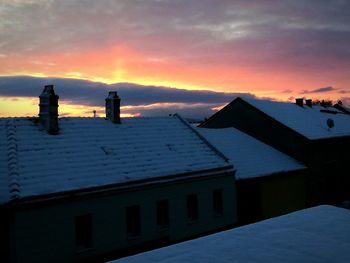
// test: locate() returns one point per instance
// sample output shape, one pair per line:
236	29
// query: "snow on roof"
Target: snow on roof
250	157
319	234
309	122
342	108
91	152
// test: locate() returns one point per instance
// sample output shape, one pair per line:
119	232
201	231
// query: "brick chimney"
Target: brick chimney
113	107
308	103
299	102
48	109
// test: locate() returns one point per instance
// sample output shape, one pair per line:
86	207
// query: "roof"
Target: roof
342	108
319	234
91	152
251	157
309	122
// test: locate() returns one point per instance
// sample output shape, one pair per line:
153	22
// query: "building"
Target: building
340	107
318	234
315	135
268	182
75	189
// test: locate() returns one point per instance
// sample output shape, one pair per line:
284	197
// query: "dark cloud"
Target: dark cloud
308	34
187	102
93	93
344	91
320	90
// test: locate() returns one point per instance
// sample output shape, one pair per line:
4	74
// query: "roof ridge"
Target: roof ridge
12	159
212	147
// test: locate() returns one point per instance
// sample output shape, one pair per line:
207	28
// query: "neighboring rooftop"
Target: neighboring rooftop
310	122
90	152
251	157
342	108
319	234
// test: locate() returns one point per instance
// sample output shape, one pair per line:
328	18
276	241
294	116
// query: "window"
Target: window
133	225
162	214
332	180
192	207
83	231
218	202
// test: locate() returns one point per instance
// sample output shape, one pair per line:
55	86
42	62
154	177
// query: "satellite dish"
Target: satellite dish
330	123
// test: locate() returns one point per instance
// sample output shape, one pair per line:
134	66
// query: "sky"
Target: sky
267	49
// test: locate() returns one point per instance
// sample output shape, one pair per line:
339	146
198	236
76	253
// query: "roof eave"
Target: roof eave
274	174
126	186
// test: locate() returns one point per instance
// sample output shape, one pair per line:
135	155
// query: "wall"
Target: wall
4	234
282	193
46	233
329	162
322	187
268	196
248	119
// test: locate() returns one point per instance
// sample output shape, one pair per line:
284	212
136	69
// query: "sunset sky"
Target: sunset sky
273	49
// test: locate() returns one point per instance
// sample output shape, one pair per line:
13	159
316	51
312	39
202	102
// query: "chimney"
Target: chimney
113	107
308	103
48	109
299	102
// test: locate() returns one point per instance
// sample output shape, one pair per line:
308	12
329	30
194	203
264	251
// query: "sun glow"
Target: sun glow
123	64
28	106
18	106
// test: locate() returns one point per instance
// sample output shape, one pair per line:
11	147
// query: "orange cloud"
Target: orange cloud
124	64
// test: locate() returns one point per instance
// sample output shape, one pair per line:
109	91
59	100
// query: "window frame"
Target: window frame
162	214
133	221
192	208
83	232
218	201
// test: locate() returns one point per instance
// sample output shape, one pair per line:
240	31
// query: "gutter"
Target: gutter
124	187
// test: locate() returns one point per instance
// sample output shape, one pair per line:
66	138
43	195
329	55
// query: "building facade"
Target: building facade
317	136
86	189
269	183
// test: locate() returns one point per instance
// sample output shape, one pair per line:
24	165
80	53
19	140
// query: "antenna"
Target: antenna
330	123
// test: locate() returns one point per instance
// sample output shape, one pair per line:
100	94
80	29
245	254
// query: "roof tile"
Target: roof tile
309	122
91	152
251	157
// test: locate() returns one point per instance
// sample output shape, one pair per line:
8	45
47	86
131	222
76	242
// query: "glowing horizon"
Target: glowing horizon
277	51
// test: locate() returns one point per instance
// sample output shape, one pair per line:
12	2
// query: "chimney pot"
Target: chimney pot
308	103
299	102
113	107
48	109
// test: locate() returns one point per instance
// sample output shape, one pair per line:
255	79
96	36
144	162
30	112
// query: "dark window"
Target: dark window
331	183
83	231
218	202
192	207
133	226
162	213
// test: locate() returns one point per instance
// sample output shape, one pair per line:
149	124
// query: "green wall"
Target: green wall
282	194
46	233
322	186
269	196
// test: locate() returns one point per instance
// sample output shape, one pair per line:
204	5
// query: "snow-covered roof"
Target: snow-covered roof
309	122
250	157
342	108
91	152
319	234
